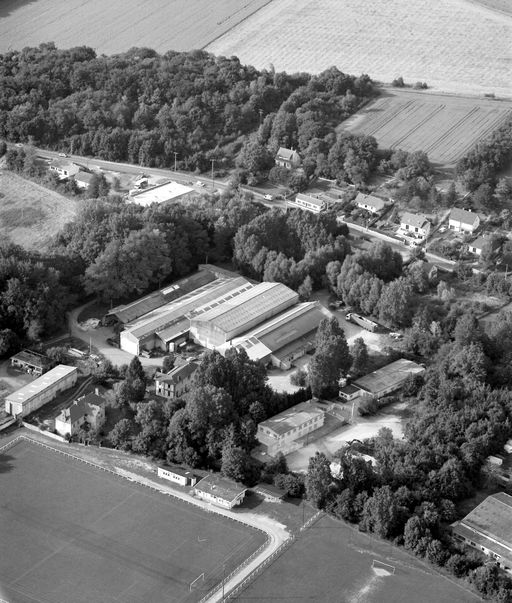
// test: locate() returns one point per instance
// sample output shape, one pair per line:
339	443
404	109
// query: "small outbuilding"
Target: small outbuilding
270	492
178	475
31	362
220	491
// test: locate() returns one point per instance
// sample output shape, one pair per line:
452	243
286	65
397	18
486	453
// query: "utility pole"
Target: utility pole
175	155
261	116
223	580
213	181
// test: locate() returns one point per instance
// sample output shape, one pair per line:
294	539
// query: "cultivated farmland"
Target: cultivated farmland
30	214
445	127
117	25
456	46
76	533
330	562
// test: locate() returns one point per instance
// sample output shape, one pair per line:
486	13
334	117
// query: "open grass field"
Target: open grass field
456	46
443	126
71	532
332	563
117	25
30	214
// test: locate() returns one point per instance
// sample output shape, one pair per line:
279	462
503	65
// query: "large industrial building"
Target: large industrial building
44	389
168	326
168	191
219	322
286	337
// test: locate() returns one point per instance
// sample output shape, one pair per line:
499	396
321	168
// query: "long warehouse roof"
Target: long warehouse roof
31	390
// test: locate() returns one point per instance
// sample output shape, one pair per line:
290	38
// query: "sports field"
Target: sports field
458	46
331	563
118	25
71	532
443	126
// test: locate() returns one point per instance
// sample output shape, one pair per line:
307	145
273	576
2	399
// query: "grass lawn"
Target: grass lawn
76	533
331	562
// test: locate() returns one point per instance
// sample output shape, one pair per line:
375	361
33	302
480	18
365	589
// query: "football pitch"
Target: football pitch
72	532
332	563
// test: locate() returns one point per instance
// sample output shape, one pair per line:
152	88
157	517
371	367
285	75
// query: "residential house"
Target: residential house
488	529
180	476
83	179
415	226
461	220
281	432
176	382
288	158
370	203
220	491
480	243
308	203
64	168
86	409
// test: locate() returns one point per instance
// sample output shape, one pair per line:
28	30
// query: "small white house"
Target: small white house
414	225
64	168
83	179
180	476
287	158
220	491
461	220
370	203
309	203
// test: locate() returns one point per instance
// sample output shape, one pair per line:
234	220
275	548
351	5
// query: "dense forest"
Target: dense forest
143	107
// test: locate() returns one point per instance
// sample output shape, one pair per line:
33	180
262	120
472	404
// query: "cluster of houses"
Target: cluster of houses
66	169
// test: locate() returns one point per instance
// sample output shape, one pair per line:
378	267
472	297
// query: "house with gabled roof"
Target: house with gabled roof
414	225
370	203
83	179
288	158
86	409
462	220
220	491
64	168
176	382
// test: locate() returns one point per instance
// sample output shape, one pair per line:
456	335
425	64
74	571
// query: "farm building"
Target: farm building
220	491
288	158
222	319
31	362
83	179
169	191
415	226
128	312
384	381
286	337
488	529
308	203
168	326
178	475
44	389
176	382
369	203
281	432
64	168
89	408
461	220
269	492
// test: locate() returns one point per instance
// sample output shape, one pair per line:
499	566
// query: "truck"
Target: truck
362	321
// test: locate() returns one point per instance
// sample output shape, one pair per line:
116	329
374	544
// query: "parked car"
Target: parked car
18	144
62	155
396	335
199	183
268	197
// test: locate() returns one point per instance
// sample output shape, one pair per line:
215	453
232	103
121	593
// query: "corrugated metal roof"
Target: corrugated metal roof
33	389
392	374
239	311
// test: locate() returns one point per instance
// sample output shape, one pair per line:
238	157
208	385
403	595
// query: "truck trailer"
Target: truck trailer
362	321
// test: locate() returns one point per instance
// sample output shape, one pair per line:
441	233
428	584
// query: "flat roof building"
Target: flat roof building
178	475
281	432
44	389
488	528
285	337
389	378
169	191
220	491
309	203
216	323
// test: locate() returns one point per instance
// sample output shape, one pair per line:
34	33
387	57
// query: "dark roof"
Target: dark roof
391	375
173	375
84	177
93	398
287	154
269	490
464	216
222	487
349	389
33	358
493	519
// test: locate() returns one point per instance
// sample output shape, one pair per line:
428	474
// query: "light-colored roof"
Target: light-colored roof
178	373
479	242
221	487
128	312
392	374
414	220
464	216
178	471
309	199
65	164
42	383
286	154
492	518
84	177
291	418
269	490
374	202
234	313
172	313
160	193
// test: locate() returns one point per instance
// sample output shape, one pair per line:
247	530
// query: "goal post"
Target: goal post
390	569
193	584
